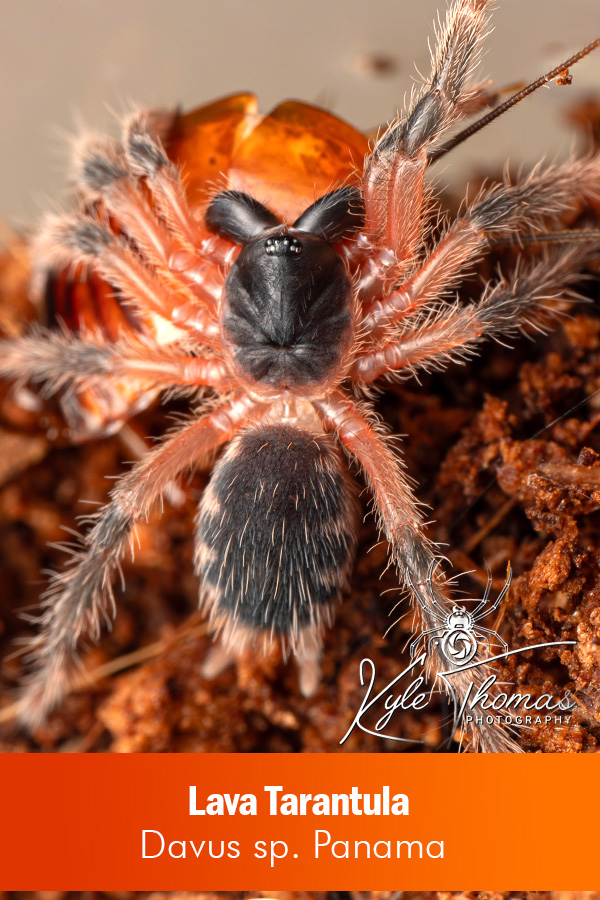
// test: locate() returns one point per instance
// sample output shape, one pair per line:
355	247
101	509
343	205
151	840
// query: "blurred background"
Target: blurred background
71	62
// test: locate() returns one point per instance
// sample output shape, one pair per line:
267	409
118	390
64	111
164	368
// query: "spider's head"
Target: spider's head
459	619
286	315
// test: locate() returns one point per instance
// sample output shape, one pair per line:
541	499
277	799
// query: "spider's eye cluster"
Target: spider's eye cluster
282	245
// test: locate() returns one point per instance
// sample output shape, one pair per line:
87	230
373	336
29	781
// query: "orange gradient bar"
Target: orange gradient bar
71	822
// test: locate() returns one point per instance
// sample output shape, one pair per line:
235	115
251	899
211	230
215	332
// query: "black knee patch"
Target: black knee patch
275	532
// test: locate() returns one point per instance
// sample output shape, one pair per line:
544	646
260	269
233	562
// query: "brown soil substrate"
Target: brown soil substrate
505	451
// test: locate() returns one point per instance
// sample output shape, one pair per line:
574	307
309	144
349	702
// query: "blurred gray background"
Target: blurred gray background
66	62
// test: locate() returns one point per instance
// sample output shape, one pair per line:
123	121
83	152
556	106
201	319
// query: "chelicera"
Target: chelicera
277	324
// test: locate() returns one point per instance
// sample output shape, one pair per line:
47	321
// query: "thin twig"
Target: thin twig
489	526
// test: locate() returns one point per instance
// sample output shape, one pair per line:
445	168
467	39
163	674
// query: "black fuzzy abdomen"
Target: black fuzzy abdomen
275	532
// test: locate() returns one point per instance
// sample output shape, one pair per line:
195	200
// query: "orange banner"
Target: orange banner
233	822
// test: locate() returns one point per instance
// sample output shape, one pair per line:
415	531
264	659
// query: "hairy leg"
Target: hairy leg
61	360
416	559
430	340
496	212
393	177
147	158
79	237
158	220
417	641
80	596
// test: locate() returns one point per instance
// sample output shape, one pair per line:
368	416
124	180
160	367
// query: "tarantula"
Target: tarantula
288	322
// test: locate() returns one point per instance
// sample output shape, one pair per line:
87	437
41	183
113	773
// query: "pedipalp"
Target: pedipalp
114	174
81	238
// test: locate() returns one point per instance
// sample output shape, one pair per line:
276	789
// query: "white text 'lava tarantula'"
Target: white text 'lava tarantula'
287	324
